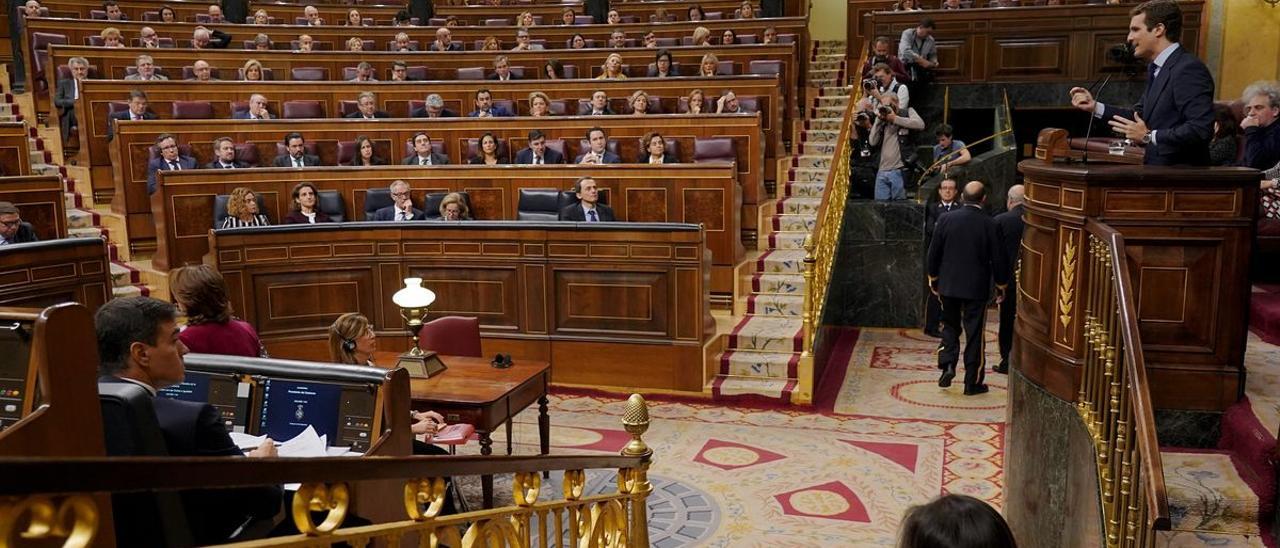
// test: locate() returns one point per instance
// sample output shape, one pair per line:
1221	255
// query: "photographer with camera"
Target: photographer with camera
880	54
891	132
882	84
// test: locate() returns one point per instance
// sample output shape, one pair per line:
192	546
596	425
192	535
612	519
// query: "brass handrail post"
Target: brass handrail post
636	422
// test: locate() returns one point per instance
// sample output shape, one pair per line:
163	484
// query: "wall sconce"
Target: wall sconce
413	300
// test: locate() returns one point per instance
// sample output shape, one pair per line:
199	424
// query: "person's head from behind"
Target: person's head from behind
1153	26
1016	196
10	220
454	208
138	339
586	190
947	189
201	294
955	521
1224	123
352	340
975	192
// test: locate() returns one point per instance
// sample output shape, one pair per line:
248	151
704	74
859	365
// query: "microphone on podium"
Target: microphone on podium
1088	131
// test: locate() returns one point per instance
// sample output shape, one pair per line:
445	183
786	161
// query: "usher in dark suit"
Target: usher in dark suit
964	256
932	306
549	156
1178	105
1009	224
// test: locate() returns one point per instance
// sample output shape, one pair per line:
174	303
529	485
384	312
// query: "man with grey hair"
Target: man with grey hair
367	107
201	72
146	69
1261	133
68	91
257	109
402	207
364	73
148	38
433	107
1009	225
261	42
523	42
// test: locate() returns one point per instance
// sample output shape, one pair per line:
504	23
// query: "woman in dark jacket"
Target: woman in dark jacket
306	209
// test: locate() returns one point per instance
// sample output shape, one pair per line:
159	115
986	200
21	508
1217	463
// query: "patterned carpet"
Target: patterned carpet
737	476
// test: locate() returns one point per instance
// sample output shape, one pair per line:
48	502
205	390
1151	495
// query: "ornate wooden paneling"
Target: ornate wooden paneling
1188	235
46	273
15	149
1018	44
40	201
635	289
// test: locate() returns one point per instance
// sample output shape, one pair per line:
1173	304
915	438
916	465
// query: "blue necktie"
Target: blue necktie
592	216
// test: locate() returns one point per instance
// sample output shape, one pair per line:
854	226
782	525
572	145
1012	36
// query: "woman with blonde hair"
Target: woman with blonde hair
454	208
352	340
701	36
111	38
355	44
242	210
260	17
201	294
612	68
697	102
491	43
252	71
639	103
708	66
539	104
526	20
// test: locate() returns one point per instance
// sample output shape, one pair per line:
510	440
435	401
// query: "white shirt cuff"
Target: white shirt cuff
1098	109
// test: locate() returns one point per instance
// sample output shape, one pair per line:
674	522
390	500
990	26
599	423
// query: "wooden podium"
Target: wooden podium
1189	234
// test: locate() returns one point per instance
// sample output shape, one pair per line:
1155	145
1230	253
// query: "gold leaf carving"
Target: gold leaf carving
1066	283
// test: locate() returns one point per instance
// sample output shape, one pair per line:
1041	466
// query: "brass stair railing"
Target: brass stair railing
1115	400
50	501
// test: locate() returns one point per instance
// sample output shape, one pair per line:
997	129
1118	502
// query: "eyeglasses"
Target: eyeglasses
11	224
400	194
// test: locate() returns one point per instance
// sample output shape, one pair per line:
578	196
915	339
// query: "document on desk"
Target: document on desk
305	444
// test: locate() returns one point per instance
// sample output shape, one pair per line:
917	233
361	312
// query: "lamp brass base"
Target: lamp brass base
423	366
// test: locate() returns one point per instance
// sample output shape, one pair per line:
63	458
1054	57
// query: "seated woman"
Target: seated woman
662	65
365	154
261	17
454	208
697	102
612	68
696	14
111	38
1223	147
702	36
639	103
553	69
242	210
539	104
354	19
491	43
305	210
201	294
655	150
746	10
352	340
770	36
355	44
707	68
488	153
728	38
252	71
167	15
525	20
577	42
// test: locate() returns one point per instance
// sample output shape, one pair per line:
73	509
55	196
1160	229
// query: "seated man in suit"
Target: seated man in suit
148	38
224	151
502	70
296	155
599	104
257	109
523	42
364	73
485	107
588	209
68	91
205	38
433	108
402	209
146	70
170	160
138	344
655	150
114	13
597	142
201	72
12	228
422	153
444	41
137	111
367	107
403	43
537	152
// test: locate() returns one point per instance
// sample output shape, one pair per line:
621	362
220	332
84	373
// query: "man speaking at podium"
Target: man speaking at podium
1174	118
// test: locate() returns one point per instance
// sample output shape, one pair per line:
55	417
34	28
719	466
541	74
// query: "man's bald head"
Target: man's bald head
975	192
1017	195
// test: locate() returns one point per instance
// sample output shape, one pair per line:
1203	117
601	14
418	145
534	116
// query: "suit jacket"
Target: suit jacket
389	214
240	115
965	254
65	99
1178	105
284	160
609	158
25	234
933	211
437	159
549	156
235	11
452	47
653	72
158	164
771	8
598	9
154	76
574	212
1009	224
124	115
510	76
421	112
376	114
296	217
236	164
667	158
1262	146
495	111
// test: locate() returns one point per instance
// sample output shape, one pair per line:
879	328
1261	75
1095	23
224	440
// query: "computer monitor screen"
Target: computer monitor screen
289	406
15	372
224	392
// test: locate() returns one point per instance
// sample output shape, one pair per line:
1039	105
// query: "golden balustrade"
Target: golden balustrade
1114	400
38	505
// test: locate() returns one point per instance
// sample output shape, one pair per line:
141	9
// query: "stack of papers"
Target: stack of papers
305	444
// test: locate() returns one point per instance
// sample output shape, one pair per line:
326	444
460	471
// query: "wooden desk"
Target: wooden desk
41	200
474	392
550	12
46	273
15	149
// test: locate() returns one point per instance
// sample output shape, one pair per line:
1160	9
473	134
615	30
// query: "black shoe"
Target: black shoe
976	389
933	333
947	374
1002	369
